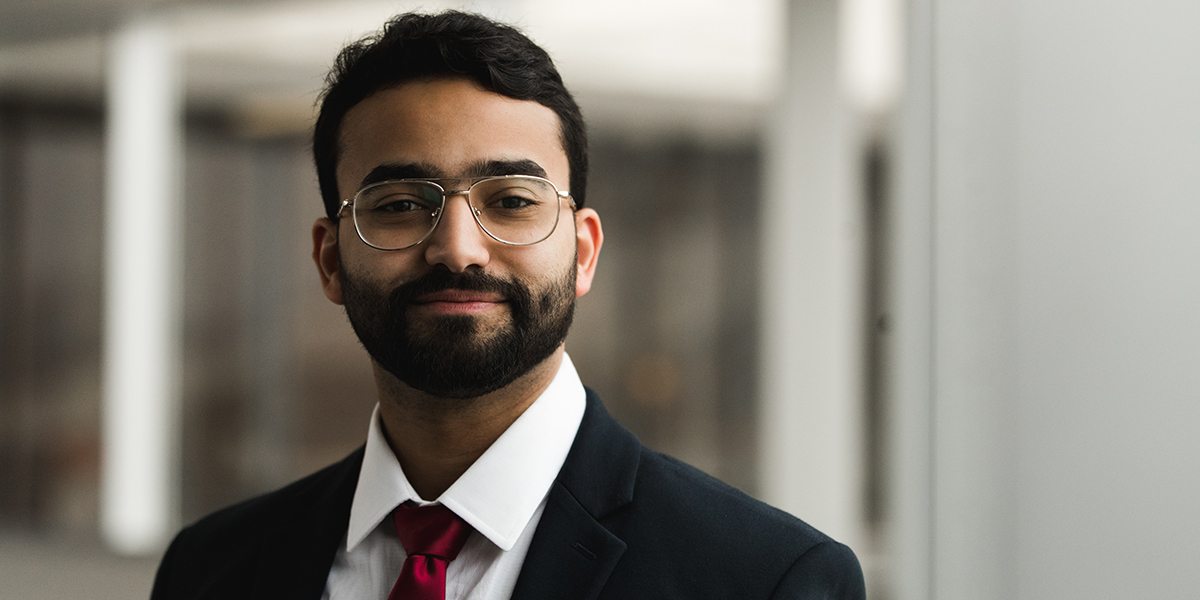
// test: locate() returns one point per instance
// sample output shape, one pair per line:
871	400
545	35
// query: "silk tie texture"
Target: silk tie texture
432	536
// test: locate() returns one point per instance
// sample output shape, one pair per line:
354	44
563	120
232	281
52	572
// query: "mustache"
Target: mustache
439	280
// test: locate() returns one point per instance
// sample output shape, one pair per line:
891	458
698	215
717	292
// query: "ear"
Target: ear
325	255
589	237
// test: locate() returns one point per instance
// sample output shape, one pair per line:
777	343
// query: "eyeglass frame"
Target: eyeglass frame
441	210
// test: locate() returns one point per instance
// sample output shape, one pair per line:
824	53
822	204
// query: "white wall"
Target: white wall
1048	274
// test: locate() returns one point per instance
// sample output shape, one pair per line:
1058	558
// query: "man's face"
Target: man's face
459	314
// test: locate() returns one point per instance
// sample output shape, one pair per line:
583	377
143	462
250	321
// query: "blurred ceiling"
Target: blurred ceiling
645	66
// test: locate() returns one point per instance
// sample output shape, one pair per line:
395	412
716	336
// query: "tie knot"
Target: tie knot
432	530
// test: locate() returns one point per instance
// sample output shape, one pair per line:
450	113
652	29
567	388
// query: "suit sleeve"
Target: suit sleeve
827	571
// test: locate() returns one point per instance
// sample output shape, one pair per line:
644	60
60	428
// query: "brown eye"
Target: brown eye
514	202
398	206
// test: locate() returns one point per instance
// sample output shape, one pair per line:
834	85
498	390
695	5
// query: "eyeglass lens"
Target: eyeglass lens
398	214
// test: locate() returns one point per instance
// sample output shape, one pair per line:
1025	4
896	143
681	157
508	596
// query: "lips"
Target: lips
459	297
458	302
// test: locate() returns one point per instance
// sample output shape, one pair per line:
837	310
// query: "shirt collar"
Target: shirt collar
499	493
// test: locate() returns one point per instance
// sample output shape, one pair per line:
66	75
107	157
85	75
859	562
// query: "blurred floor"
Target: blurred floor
36	568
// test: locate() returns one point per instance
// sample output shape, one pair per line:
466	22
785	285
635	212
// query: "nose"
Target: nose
457	242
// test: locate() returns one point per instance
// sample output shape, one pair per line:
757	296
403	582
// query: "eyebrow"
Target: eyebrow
400	171
483	168
493	168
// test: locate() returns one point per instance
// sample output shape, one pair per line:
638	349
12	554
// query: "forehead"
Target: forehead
447	126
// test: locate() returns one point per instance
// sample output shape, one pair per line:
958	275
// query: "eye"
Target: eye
399	206
511	198
399	199
514	202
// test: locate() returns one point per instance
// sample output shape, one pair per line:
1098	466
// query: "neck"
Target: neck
437	439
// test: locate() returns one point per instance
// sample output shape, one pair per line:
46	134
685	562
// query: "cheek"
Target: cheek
378	268
557	255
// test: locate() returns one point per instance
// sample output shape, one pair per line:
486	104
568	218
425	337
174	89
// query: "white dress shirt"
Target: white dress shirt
501	496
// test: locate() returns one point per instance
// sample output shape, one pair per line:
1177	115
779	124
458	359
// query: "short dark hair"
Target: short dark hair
448	44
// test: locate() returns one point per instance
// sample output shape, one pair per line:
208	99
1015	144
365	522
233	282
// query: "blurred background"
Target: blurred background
923	273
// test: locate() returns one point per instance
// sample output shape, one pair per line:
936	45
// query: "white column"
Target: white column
142	347
812	305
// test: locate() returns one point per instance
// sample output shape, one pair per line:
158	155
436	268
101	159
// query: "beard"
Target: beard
460	356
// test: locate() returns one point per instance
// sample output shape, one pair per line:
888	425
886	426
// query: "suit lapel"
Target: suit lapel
295	560
572	553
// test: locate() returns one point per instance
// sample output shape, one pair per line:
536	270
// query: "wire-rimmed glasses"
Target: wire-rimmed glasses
518	210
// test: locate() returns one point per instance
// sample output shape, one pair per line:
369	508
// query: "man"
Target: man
452	164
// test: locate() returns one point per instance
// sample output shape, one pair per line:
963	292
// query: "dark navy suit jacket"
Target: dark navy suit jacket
621	522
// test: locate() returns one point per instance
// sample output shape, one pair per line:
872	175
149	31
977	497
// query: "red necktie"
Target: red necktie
432	536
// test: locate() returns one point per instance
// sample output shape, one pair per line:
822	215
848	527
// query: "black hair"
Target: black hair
448	44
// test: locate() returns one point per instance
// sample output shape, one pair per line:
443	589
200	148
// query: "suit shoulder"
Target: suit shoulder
725	510
682	533
707	539
219	556
827	570
277	508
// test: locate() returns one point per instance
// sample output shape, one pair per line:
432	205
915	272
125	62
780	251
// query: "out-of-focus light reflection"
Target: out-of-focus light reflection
142	308
872	53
